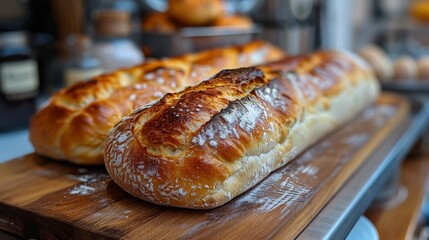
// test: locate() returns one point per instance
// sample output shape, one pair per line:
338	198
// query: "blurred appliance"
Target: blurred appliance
294	25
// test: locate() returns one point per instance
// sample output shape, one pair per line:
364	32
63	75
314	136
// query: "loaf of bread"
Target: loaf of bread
201	147
74	124
195	12
404	68
379	61
423	68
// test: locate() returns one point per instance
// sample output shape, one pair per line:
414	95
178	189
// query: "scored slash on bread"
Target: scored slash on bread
74	124
201	147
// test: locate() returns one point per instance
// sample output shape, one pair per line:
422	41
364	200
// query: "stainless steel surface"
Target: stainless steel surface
188	40
280	11
293	39
292	24
339	216
410	87
390	190
273	11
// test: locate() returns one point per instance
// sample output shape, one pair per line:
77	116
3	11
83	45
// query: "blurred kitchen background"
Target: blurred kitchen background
48	44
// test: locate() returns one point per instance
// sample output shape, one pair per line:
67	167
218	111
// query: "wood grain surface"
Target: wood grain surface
44	199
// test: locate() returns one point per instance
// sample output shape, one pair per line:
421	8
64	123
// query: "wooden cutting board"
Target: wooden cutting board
40	198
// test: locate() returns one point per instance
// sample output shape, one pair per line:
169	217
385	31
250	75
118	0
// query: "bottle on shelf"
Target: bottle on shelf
18	81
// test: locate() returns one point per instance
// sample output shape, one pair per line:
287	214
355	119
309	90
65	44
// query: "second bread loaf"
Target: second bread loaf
74	124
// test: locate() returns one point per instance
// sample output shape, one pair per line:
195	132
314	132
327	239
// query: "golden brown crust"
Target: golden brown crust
379	61
236	21
404	68
423	68
158	22
195	12
75	123
201	147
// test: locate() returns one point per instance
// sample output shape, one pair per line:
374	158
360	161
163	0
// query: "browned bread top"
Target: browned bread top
75	123
200	147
